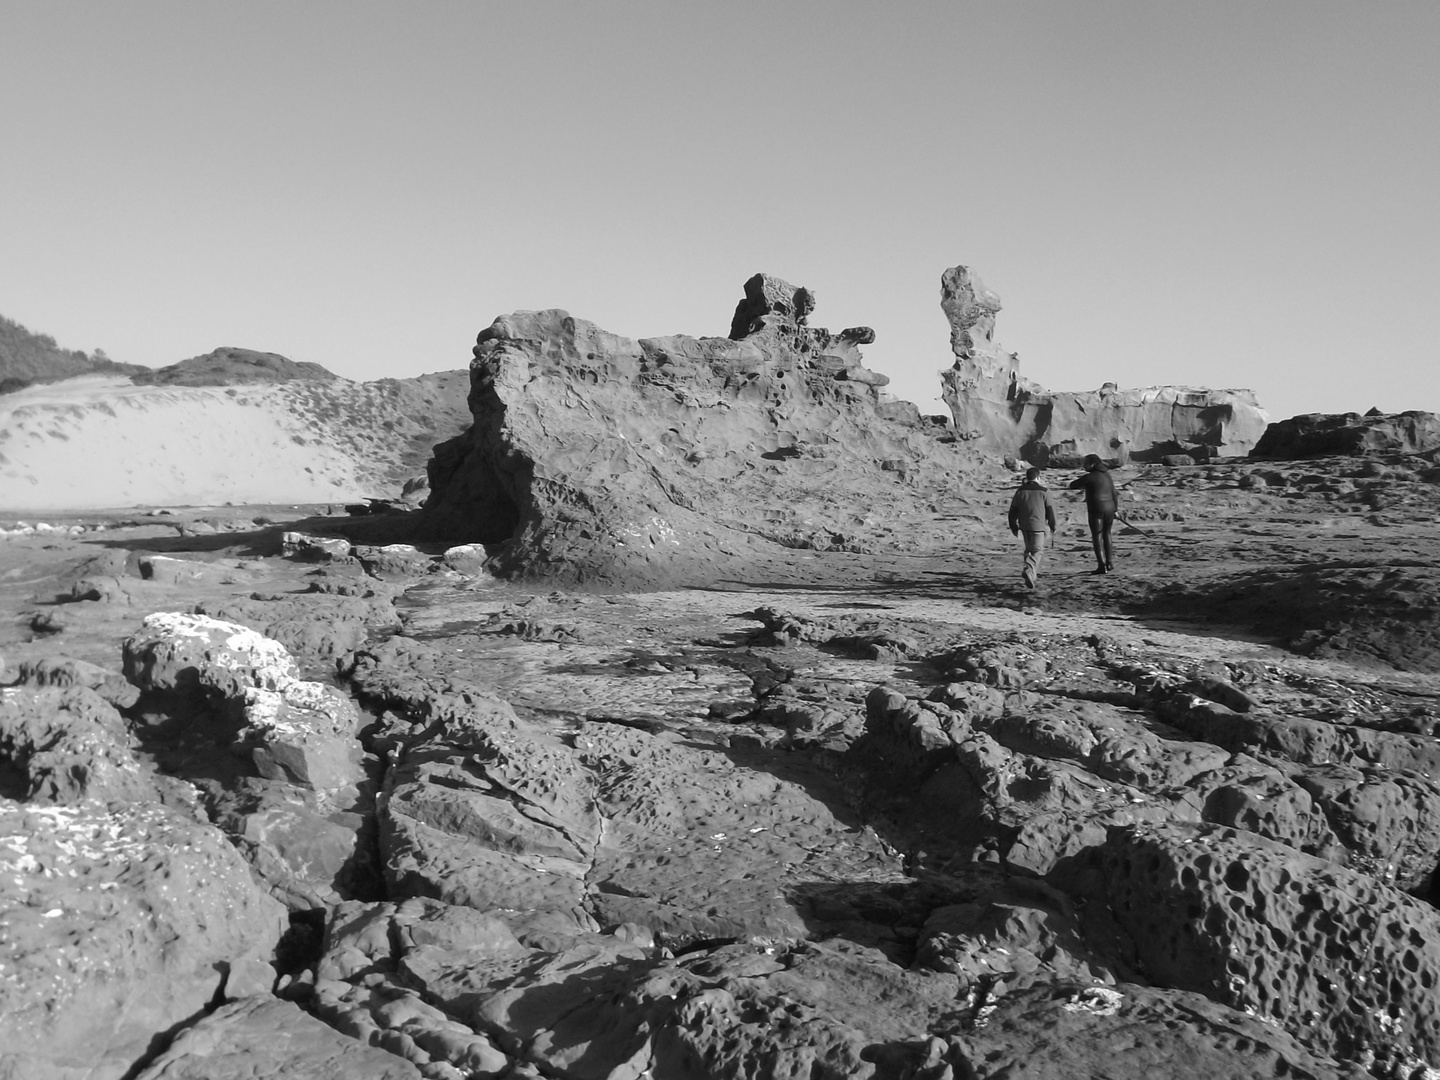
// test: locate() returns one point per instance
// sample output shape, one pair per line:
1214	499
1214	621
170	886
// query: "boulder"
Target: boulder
65	745
995	408
293	730
120	924
1333	434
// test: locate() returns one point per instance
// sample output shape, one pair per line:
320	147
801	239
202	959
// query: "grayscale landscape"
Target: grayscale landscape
563	541
683	714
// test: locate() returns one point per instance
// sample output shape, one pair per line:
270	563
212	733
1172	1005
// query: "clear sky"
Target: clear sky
1219	194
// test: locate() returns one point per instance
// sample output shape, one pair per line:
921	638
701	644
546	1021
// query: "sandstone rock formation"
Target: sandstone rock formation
1316	434
596	457
996	409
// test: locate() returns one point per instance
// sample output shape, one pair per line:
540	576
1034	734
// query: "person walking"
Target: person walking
1031	513
1102	503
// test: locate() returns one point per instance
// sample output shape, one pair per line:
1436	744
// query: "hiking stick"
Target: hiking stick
1134	528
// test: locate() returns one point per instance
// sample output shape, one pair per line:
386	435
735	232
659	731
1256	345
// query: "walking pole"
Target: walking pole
1135	528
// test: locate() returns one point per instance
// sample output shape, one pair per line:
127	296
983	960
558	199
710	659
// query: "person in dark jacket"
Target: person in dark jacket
1031	513
1102	503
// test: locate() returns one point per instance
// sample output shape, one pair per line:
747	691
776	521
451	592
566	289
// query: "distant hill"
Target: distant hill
27	358
229	366
234	425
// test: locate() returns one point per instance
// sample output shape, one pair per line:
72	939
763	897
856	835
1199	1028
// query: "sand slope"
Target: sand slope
99	441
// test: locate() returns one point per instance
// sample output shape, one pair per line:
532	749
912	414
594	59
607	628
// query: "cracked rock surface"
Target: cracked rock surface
326	809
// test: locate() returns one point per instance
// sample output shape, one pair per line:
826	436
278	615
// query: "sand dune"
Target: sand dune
98	441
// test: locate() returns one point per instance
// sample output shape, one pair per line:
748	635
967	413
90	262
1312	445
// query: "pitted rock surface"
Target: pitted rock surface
293	730
834	817
1063	1031
117	925
63	746
1346	963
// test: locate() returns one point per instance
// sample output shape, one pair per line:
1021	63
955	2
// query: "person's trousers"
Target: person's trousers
1034	548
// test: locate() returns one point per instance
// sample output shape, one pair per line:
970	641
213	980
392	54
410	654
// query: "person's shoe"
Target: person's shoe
1100	570
1109	568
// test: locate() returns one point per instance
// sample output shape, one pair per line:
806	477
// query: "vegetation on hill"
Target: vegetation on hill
229	366
27	358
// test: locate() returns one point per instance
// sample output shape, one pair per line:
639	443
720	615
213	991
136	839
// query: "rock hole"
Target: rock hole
1237	877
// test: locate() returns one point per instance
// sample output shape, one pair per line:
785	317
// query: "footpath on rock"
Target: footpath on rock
282	797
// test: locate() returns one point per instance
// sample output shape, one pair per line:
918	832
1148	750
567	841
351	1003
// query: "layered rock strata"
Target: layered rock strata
997	409
593	456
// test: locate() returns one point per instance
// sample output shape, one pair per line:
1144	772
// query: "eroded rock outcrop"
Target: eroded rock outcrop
1347	964
1316	434
595	456
121	924
998	409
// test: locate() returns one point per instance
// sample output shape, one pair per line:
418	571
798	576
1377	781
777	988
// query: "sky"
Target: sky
1223	194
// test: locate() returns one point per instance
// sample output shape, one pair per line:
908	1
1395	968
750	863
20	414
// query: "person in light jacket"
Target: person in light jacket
1032	515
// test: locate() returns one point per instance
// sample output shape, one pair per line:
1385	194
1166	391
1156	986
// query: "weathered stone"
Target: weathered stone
1388	821
63	671
696	847
1007	939
296	731
824	1010
767	295
306	853
594	456
319	627
393	561
998	410
1344	963
265	1036
63	746
167	570
468	559
1070	1029
297	545
480	815
1306	741
1316	434
119	924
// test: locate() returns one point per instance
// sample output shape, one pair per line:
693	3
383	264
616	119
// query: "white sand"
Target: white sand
99	441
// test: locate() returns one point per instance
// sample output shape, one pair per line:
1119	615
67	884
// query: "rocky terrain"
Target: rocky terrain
792	777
